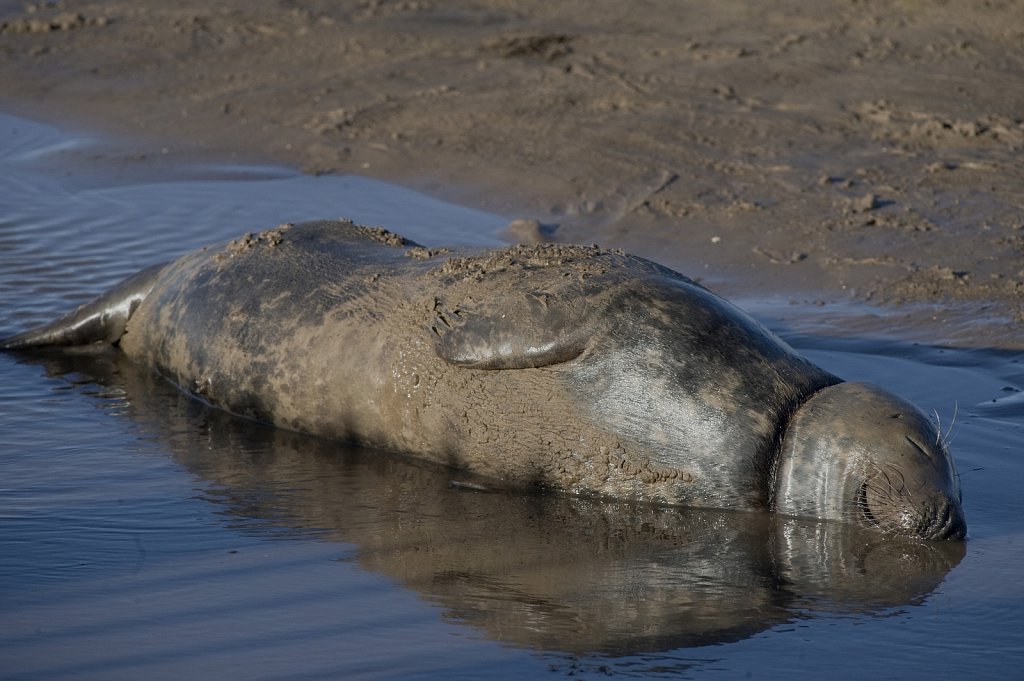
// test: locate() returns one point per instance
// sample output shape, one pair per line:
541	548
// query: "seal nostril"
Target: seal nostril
948	525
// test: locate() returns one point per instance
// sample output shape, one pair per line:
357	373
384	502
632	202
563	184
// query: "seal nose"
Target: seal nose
947	523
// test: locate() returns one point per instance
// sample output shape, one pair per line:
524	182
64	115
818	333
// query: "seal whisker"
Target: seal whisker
947	439
893	491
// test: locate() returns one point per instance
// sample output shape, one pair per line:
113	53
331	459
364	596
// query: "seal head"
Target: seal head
854	452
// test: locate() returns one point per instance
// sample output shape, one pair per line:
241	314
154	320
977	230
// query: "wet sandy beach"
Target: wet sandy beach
824	152
145	535
848	171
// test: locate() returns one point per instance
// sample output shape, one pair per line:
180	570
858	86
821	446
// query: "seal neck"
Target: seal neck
805	472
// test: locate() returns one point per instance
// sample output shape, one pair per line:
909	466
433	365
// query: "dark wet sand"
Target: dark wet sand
144	534
815	152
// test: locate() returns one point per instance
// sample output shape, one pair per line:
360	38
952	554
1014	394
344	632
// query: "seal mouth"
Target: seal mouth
862	504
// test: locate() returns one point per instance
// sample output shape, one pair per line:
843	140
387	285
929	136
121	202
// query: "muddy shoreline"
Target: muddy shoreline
815	153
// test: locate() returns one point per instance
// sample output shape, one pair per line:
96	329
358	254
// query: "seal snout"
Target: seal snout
896	509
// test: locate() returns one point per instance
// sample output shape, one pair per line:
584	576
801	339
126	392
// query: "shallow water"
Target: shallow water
145	536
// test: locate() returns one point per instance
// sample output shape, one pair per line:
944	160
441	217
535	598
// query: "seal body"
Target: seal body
567	367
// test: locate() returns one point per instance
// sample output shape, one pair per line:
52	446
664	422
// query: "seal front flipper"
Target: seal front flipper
102	320
510	332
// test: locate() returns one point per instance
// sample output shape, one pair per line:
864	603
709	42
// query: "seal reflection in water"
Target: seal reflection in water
625	578
567	367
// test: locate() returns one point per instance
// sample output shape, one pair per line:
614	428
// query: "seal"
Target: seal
566	367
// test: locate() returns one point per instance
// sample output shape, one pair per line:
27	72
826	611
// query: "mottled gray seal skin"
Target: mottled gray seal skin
567	367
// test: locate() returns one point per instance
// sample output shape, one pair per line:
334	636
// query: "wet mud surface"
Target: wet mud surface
828	151
145	535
